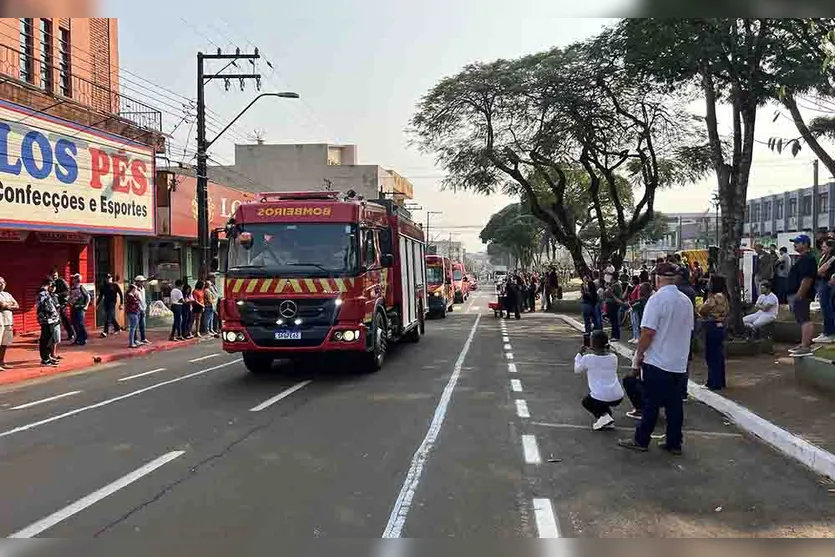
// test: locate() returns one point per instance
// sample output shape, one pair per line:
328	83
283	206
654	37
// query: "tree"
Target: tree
727	61
517	231
527	126
807	68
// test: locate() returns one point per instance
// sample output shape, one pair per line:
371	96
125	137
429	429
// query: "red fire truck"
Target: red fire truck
322	272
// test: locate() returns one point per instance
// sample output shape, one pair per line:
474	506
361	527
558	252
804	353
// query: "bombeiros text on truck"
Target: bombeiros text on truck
321	272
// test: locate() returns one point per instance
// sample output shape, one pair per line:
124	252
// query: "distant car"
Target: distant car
473	282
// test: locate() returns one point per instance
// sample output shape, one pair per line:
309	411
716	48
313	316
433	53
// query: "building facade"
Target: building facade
684	231
76	158
803	209
305	167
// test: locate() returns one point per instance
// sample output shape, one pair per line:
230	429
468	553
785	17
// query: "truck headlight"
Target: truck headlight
240	337
437	294
348	336
230	336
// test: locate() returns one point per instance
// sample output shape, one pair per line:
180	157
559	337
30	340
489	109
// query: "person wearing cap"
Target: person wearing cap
662	357
801	289
109	293
79	301
143	307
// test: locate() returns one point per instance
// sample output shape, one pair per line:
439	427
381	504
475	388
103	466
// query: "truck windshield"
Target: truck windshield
300	249
435	275
457	274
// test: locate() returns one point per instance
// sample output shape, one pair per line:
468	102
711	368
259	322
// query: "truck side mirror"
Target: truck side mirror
387	260
214	247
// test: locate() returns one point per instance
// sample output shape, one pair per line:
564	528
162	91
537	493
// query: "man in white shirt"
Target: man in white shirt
781	275
662	357
7	305
767	306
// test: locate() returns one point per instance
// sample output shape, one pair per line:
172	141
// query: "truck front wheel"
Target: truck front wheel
258	363
374	358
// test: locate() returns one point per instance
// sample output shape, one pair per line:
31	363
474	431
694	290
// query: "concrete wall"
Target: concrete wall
297	168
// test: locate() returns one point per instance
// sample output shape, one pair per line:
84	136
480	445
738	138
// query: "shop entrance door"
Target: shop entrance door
103	250
134	261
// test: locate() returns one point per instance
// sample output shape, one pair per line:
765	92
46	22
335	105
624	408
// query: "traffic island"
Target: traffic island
23	359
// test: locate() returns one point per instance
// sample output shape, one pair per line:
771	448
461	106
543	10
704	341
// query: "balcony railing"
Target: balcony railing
83	91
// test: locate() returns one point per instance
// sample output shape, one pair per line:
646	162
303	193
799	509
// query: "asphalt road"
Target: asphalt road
186	446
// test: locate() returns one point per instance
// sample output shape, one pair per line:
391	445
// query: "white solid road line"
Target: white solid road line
397	519
522	409
531	450
283	394
39	423
90	500
546	520
129	377
215	355
516	385
511	368
50	399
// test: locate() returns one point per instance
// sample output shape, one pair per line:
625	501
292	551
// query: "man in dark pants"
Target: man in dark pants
109	293
62	292
513	297
662	357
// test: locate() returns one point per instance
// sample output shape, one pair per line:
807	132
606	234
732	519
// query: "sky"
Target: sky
360	67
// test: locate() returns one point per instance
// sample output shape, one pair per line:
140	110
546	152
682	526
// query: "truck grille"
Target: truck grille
313	312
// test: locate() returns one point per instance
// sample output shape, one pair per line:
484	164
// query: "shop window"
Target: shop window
806	207
792	207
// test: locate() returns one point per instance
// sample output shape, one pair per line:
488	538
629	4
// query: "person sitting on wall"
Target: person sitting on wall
766	306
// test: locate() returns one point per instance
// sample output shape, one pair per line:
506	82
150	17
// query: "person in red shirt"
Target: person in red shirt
197	305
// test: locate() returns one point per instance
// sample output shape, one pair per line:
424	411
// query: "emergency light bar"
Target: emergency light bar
298	196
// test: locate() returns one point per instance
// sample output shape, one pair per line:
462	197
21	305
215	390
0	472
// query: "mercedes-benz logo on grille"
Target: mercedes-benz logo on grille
288	309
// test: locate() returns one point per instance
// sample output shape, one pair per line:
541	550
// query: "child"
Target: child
605	391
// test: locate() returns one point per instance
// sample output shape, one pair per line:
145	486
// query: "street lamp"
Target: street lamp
428	215
202	171
716	202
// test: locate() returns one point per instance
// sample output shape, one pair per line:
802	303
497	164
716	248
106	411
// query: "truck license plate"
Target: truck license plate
288	335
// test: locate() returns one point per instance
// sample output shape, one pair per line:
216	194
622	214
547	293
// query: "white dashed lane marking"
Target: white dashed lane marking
546	520
522	409
531	450
511	368
516	385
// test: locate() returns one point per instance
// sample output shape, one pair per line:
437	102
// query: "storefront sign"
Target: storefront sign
223	201
62	238
13	236
58	175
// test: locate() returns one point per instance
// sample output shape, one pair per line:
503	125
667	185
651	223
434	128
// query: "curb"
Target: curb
804	452
95	360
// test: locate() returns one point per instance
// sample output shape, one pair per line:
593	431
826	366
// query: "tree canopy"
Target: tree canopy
571	133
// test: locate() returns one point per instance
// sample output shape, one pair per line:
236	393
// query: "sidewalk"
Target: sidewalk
764	398
24	361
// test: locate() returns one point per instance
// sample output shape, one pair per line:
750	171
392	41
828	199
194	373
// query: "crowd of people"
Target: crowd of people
521	290
668	305
61	310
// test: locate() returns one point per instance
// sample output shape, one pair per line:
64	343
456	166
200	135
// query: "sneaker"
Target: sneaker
823	339
133	346
602	422
632	445
49	363
104	335
145	342
171	339
801	352
2	368
633	341
634	414
665	447
57	357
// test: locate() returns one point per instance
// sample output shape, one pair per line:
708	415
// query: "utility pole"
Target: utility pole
203	144
815	207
